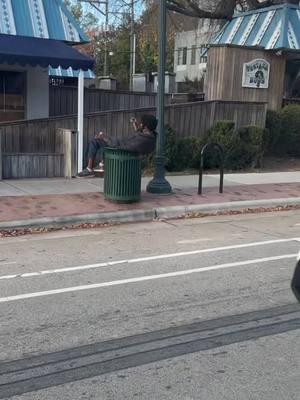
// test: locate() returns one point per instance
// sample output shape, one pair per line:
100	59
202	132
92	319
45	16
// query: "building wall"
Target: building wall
225	73
37	93
37	90
199	38
187	69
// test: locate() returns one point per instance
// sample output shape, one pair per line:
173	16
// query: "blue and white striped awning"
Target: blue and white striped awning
271	28
47	19
70	73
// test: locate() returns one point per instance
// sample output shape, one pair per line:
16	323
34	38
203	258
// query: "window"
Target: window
184	56
12	96
203	53
193	55
181	55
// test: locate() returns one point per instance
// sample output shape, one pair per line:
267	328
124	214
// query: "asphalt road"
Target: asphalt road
190	309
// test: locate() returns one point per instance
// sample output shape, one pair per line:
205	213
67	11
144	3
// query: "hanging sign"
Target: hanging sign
256	74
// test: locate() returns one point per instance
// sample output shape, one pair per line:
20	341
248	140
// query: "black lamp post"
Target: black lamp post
159	184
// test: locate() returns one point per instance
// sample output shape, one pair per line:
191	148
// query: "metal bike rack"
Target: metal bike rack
221	153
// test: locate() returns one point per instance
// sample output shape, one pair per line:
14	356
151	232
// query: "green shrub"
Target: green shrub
224	134
188	151
181	153
253	140
290	130
243	148
291	119
148	162
222	131
284	131
273	133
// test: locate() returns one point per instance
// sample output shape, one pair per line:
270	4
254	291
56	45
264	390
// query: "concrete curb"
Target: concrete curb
181	211
99	218
146	215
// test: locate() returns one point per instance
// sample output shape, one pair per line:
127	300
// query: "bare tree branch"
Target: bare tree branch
215	9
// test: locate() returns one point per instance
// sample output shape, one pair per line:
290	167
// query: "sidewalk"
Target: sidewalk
44	202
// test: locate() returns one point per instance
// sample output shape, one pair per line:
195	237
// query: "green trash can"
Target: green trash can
122	175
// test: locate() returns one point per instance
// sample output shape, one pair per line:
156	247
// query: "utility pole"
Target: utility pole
132	45
105	43
159	184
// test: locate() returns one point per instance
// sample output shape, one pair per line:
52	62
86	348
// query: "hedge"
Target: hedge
243	148
284	131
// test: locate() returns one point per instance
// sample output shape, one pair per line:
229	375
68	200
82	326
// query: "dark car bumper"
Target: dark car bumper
295	284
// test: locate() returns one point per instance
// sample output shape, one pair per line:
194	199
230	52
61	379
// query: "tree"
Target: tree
147	40
117	43
120	59
86	20
218	9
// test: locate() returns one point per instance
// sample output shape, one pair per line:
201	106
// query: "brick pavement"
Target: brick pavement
26	207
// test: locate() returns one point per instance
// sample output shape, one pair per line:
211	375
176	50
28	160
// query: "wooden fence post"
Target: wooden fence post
66	144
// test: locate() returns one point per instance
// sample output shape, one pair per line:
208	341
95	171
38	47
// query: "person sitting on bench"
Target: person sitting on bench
142	142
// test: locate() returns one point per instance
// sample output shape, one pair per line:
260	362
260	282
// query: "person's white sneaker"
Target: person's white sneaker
100	168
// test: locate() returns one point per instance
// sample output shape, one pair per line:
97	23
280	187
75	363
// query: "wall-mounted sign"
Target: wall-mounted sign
256	74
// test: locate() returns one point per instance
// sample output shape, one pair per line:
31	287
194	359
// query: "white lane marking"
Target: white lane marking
29	274
9	276
143	259
143	278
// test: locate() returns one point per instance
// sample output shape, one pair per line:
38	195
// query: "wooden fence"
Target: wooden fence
63	100
289	100
38	139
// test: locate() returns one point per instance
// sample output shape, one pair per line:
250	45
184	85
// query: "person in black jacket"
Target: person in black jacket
142	142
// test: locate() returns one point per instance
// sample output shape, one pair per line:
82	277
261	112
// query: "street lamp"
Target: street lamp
159	184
